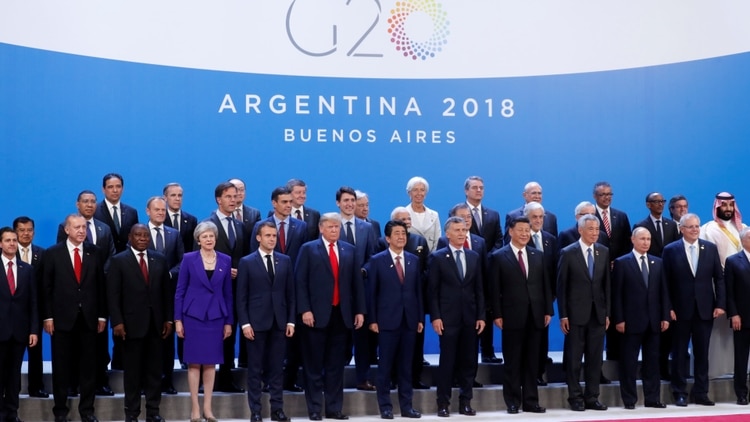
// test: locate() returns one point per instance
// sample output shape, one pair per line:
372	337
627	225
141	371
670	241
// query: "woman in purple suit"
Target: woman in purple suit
203	314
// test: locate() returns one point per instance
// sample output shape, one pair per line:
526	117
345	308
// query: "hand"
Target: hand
620	327
227	331
420	327
547	319
565	325
606	323
498	323
672	315
479	326
718	312
308	319
374	327
437	325
664	326
234	273
290	330
49	327
119	331
166	329
248	332
359	321
179	329
33	339
101	326
736	323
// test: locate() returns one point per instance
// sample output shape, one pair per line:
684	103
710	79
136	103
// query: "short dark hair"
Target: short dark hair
601	184
281	190
222	187
6	229
676	198
345	189
110	176
517	220
85	192
265	223
394	223
22	220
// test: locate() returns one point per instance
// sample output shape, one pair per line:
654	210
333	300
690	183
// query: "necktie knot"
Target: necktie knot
459	263
590	263
335	270
521	263
11	278
144	268
269	267
399	269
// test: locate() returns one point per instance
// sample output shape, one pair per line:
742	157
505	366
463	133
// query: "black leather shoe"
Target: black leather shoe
265	389
491	359
656	405
604	380
386	414
541	382
425	362
89	418
229	387
255	417
513	409
477	384
419	385
104	390
366	386
169	390
155	418
39	393
466	409
742	401
577	406
411	413
294	388
534	409
315	416
596	405
279	415
337	415
703	401
629	406
680	401
443	411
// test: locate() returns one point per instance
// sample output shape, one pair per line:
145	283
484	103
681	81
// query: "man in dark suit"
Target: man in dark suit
20	316
300	211
583	300
486	220
522	305
118	216
532	192
456	299
737	279
663	230
167	242
231	241
266	313
32	254
395	311
74	311
362	211
571	235
141	306
246	215
640	311
331	300
178	218
695	280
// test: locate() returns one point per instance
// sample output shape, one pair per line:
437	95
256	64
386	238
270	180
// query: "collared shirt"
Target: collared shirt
479	211
90	223
463	256
14	267
112	212
638	259
523	255
152	228
394	255
71	251
265	260
687	245
584	248
541	240
278	224
344	227
600	210
468	240
301	212
171	217
335	246
138	257
223	220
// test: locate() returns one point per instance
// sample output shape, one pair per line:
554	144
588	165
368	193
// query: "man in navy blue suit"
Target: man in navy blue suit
291	233
395	312
640	311
737	278
177	218
663	230
532	192
266	314
331	300
697	291
457	311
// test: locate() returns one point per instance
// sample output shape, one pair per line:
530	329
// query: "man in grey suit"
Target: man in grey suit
583	296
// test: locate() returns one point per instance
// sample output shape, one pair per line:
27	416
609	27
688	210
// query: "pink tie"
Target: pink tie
11	279
399	270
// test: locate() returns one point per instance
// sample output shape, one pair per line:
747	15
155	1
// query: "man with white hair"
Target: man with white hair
532	192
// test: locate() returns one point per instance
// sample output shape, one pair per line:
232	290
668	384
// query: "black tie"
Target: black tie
176	221
658	231
644	270
269	267
349	234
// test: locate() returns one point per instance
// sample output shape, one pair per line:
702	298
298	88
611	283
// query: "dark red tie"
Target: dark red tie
282	237
335	269
466	244
520	262
399	270
77	264
11	279
144	268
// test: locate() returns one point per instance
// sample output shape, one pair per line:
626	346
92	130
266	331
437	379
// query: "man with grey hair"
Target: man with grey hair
300	210
246	215
177	218
486	220
532	192
571	235
362	211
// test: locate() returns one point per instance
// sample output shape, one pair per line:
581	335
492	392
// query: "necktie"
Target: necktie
159	240
590	264
659	233
694	258
77	264
399	270
607	226
537	242
349	233
144	268
230	232
477	220
176	221
466	244
282	237
238	214
116	219
335	269
11	279
298	214
89	235
25	255
269	267
521	264
644	270
459	264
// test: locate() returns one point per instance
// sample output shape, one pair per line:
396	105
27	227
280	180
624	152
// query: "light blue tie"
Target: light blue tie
694	258
644	270
537	243
459	264
590	259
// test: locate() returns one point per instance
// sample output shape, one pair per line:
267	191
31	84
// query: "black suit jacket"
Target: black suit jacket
571	235
619	242
241	245
737	279
132	299
703	291
375	226
262	301
669	231
549	226
577	291
104	240
19	313
457	302
187	227
250	216
513	294
641	308
129	217
63	296
492	231
551	254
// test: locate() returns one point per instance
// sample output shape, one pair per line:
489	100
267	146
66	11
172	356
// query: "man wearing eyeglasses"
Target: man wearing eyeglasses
663	230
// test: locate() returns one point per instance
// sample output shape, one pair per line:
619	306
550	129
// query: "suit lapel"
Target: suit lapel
198	269
581	260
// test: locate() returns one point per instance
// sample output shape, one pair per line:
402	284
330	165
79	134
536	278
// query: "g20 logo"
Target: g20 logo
417	29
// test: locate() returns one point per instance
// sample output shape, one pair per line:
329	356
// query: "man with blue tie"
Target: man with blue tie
395	312
583	301
640	312
266	315
695	279
457	311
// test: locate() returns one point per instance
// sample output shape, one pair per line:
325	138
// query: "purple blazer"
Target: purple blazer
201	298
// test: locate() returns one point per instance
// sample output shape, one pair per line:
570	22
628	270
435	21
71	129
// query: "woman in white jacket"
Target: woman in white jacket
424	221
